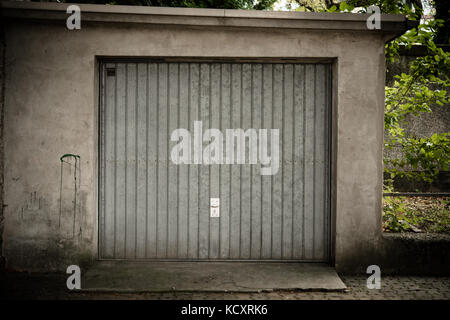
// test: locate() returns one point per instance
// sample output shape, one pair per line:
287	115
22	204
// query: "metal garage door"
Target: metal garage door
153	208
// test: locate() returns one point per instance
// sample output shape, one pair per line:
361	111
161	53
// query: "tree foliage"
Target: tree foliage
426	84
386	6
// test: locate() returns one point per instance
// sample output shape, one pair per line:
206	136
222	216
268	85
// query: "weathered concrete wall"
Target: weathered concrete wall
2	102
414	254
51	109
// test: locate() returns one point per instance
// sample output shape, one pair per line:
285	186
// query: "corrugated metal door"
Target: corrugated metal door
152	208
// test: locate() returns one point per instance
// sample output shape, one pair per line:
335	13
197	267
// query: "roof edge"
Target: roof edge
390	23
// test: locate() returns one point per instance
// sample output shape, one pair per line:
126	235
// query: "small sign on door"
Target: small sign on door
214	205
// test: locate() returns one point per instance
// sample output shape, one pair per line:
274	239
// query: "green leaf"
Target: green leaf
344	6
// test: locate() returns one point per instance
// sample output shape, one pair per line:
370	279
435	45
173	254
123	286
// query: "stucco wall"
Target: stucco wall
51	109
2	101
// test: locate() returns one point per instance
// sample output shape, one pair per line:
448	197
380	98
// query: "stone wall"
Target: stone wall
425	125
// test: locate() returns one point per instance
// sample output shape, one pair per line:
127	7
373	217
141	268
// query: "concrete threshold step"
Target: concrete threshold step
127	276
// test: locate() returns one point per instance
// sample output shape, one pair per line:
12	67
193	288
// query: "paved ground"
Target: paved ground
120	276
52	286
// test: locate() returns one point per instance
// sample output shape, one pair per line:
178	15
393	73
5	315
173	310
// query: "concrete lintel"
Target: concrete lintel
390	23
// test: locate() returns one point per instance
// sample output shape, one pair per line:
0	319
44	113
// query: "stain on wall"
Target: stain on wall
45	238
70	215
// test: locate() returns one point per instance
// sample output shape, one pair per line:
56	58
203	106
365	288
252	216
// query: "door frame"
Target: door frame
331	116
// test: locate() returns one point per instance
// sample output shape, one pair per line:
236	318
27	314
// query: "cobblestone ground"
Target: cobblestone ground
23	286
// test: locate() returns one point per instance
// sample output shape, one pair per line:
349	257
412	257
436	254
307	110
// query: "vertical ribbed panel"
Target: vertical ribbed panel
152	208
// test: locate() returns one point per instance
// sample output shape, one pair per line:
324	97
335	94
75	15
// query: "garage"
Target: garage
228	208
192	137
